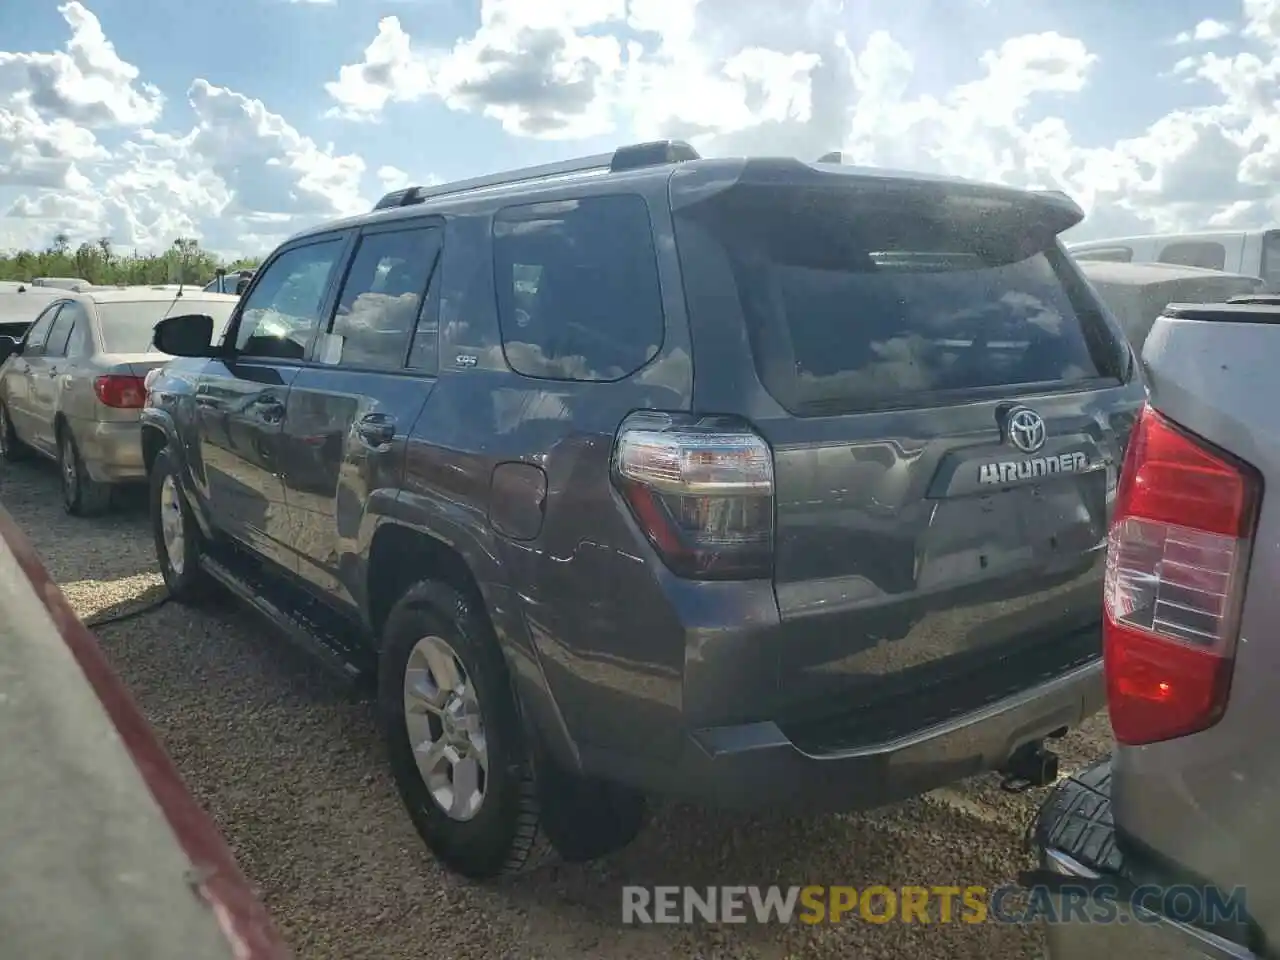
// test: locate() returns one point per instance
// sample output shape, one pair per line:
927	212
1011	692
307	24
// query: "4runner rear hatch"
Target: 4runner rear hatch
946	404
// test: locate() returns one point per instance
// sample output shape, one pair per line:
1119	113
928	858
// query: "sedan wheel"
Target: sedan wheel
82	496
70	471
11	447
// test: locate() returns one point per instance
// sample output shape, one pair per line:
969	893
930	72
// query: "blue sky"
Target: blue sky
1080	96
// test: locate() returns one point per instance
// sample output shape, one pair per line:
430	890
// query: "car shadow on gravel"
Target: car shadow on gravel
909	844
129	502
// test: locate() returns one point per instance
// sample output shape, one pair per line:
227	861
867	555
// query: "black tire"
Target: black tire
532	808
82	496
12	449
185	580
504	835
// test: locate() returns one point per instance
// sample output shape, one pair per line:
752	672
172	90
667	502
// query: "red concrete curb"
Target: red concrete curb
240	914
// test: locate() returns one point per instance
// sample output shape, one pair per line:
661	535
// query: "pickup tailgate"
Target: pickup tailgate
1206	802
953	403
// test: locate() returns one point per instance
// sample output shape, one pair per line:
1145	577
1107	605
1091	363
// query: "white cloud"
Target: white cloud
390	71
749	76
87	83
1204	31
83	146
240	172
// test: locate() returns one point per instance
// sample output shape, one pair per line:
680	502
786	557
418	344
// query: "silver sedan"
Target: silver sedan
73	387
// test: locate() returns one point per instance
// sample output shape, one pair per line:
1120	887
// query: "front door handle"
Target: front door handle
376	429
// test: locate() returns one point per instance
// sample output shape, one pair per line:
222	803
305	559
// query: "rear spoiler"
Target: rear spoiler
1234	311
1258	299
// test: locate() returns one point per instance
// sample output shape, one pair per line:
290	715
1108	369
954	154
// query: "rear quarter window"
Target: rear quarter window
577	288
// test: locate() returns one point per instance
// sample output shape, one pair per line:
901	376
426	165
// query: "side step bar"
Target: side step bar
336	650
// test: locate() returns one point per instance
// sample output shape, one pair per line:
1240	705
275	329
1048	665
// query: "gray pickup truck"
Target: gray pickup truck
1169	847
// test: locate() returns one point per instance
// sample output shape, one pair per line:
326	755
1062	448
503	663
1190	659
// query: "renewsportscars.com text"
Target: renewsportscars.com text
1064	903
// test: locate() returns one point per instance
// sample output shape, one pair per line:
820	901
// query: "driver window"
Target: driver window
282	312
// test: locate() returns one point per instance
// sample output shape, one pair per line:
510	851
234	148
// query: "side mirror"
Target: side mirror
8	347
189	335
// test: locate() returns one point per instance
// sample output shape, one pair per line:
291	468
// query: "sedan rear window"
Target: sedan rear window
1137	307
856	306
22	307
129	327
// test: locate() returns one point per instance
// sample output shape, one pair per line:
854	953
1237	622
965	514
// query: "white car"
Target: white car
71	389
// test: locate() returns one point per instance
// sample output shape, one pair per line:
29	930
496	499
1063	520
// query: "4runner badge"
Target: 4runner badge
1024	429
1007	471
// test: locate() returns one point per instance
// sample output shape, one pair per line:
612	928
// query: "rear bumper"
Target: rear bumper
111	450
1124	935
756	767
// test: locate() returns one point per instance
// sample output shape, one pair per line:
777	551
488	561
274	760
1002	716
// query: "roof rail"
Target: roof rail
630	157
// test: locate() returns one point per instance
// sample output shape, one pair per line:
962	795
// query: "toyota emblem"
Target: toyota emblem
1026	430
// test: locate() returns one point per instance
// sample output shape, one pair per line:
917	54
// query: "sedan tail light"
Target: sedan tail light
120	392
1176	561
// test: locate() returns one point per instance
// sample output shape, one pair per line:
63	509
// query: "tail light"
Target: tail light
121	392
1176	560
702	491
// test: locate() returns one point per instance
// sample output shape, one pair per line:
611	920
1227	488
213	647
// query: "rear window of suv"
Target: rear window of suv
852	306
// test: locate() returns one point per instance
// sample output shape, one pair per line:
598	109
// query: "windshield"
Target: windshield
129	327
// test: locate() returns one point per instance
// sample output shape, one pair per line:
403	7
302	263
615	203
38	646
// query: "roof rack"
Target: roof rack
631	157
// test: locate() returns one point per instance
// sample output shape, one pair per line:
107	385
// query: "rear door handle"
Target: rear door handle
376	429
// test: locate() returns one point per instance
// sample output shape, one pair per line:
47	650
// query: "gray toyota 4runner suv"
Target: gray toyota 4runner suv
752	481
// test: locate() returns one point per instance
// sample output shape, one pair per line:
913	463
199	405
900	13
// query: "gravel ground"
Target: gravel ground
289	764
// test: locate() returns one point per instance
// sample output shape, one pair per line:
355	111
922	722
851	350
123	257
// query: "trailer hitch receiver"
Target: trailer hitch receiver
1031	765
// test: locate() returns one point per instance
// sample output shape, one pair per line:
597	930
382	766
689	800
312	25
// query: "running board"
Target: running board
331	645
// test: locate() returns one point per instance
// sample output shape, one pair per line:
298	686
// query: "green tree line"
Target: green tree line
101	263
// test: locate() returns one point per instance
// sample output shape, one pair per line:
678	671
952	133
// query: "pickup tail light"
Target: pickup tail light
1176	560
701	490
120	392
